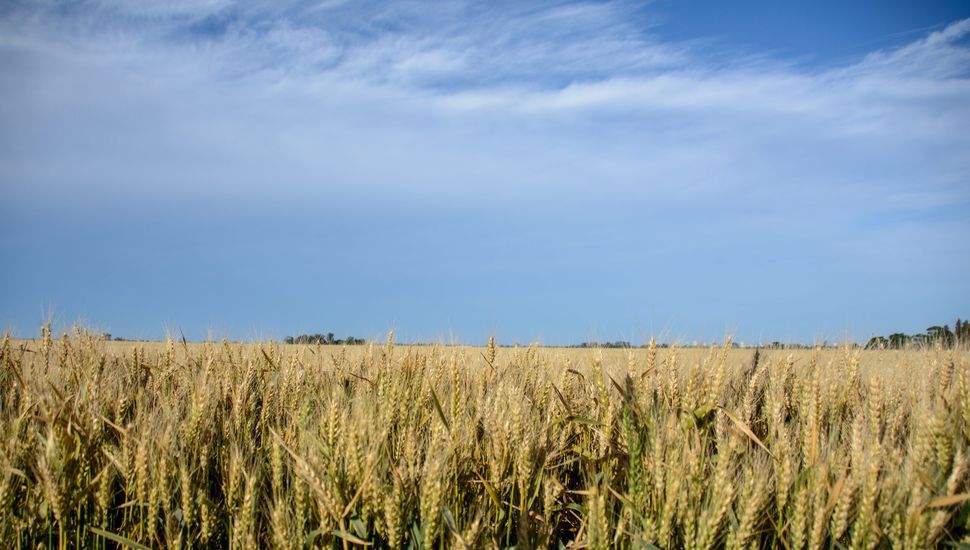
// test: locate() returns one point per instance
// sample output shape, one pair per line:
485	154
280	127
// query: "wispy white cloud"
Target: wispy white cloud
479	67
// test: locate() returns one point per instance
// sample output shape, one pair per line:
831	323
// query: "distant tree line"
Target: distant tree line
935	335
782	345
621	344
327	339
617	344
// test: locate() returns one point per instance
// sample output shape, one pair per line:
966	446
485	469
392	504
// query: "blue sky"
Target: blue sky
551	171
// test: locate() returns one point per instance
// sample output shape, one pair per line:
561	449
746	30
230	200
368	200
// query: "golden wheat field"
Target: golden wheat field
222	445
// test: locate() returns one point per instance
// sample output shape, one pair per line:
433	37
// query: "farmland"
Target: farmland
300	446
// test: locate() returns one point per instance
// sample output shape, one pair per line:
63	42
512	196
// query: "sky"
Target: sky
538	171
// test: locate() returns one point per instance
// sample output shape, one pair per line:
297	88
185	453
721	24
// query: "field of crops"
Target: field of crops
272	446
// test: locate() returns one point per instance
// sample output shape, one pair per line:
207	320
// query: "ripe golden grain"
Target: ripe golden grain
257	445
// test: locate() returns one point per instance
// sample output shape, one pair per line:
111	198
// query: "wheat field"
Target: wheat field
220	445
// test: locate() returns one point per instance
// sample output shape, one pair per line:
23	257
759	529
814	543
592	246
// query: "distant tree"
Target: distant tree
898	340
330	338
941	335
961	332
876	342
